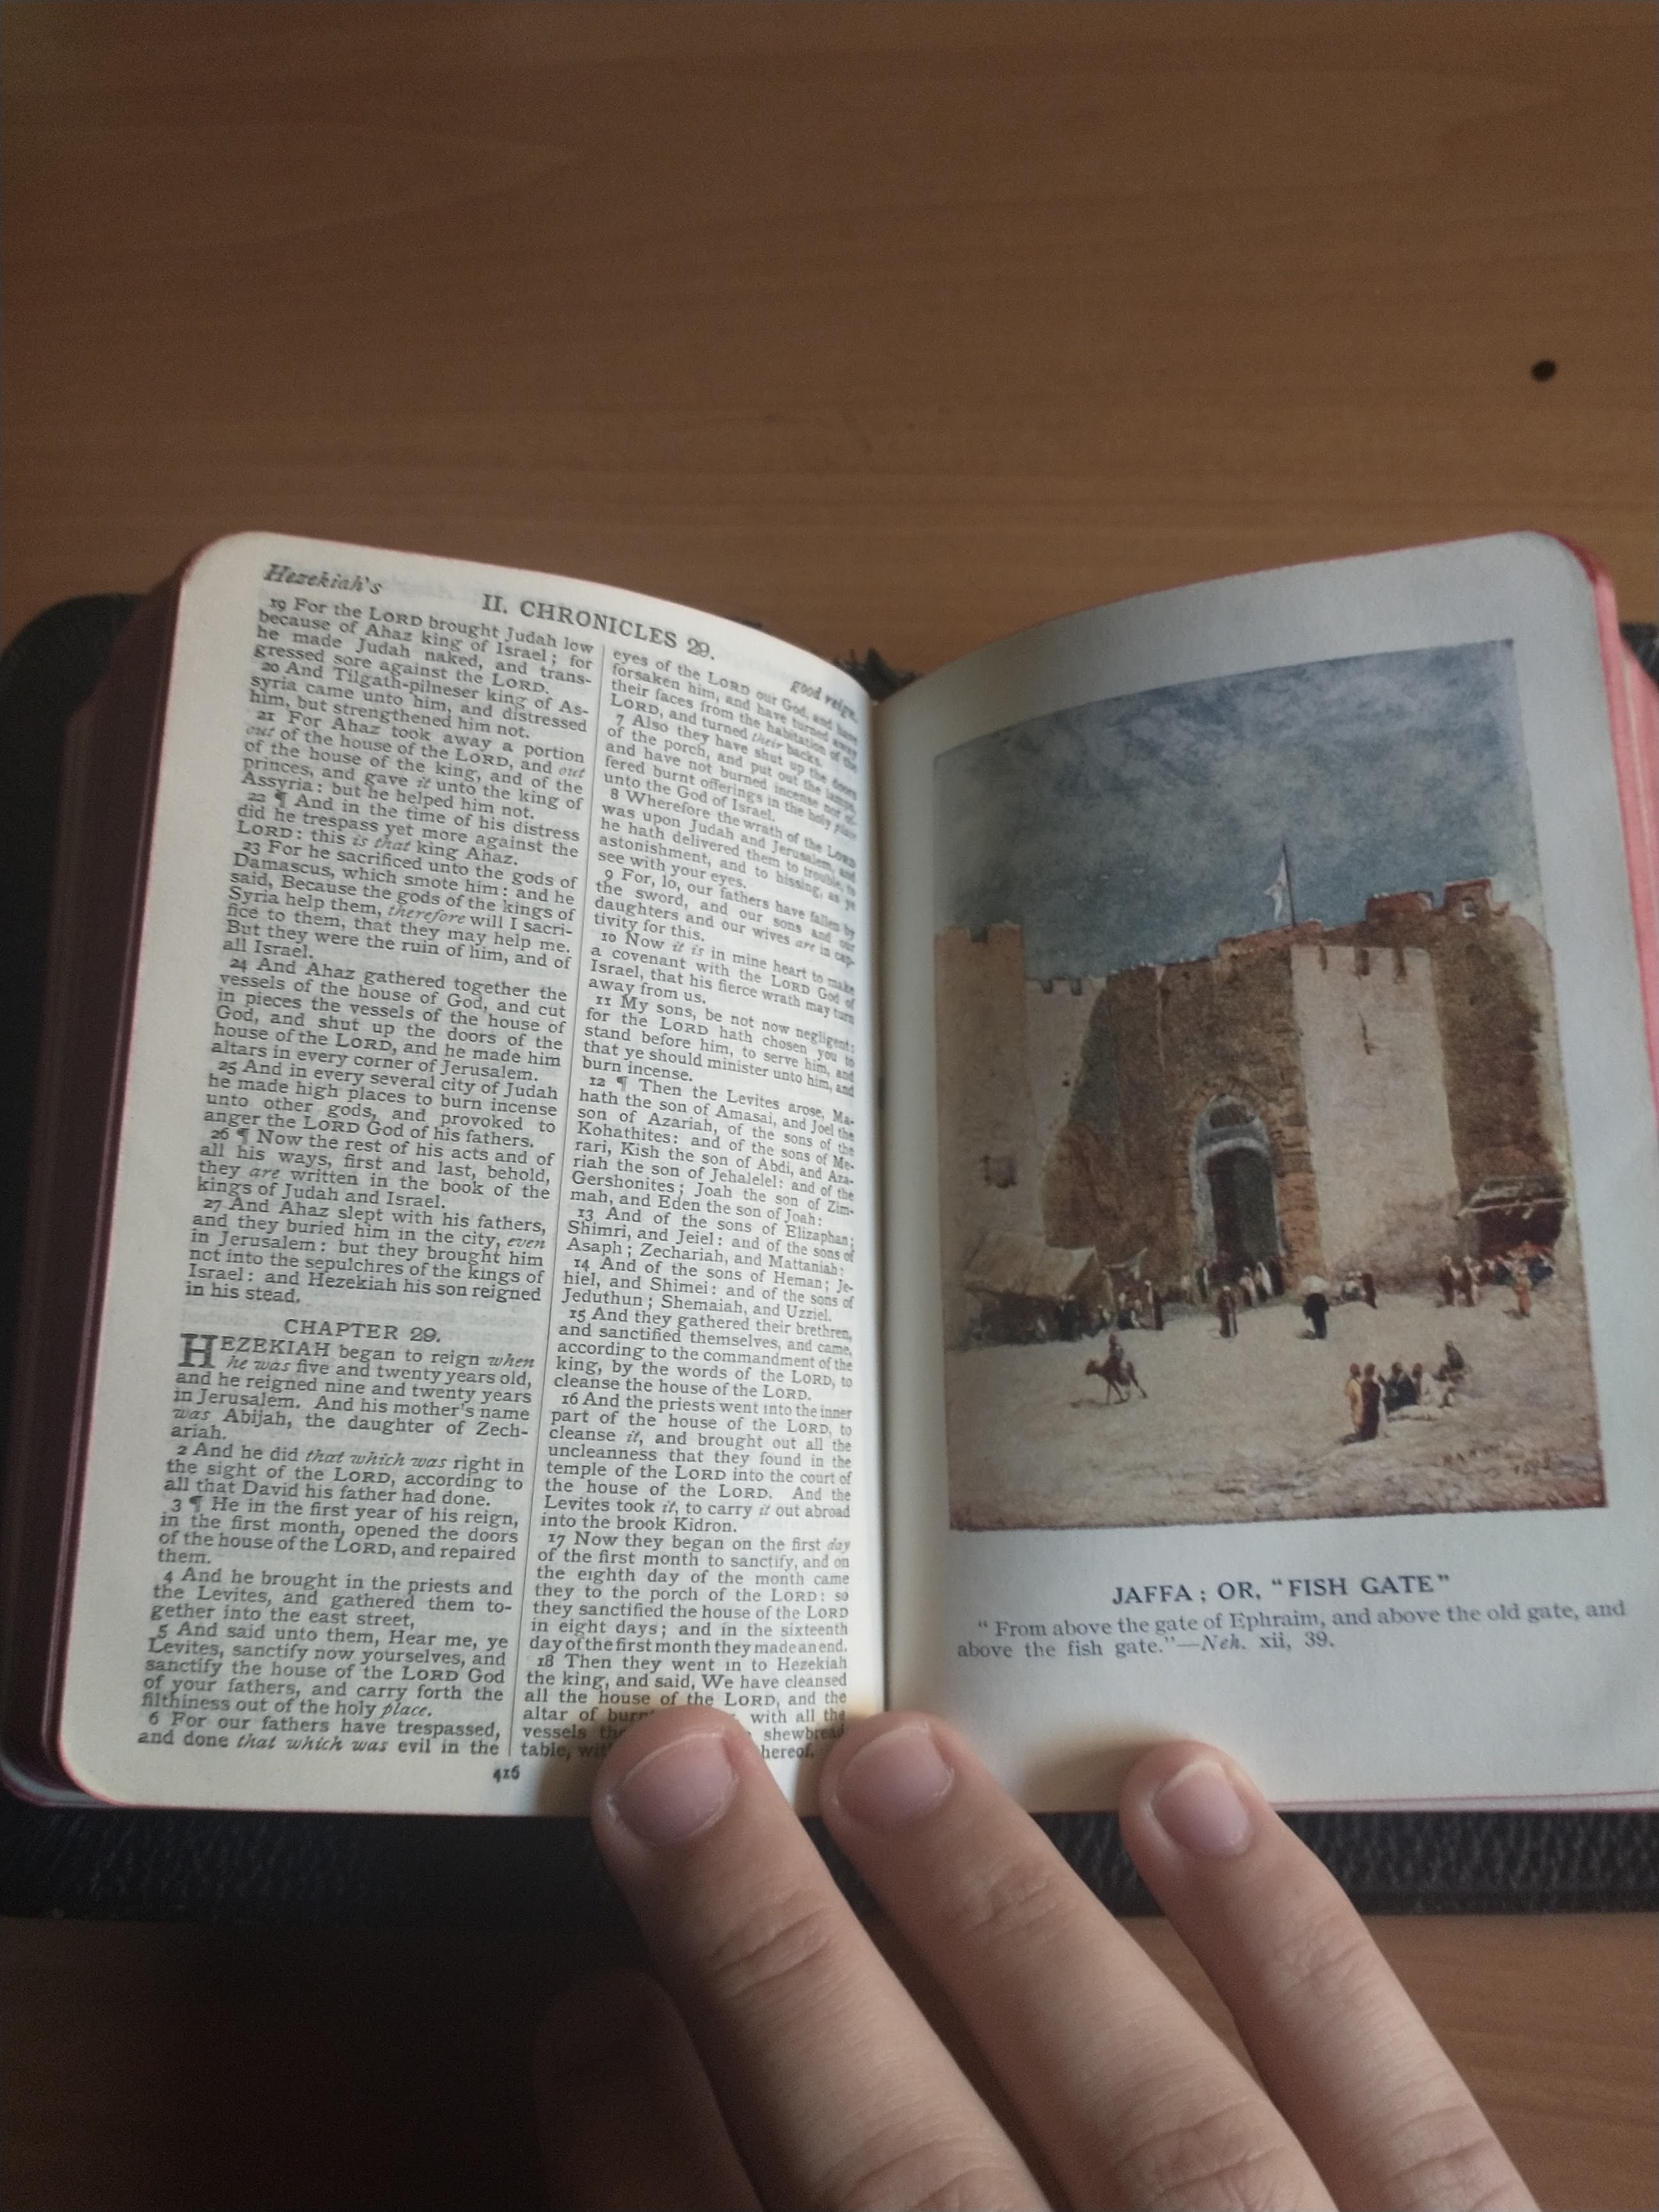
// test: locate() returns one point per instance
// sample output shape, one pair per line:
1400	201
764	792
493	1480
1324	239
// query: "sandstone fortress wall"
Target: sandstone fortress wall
1379	1130
1340	1094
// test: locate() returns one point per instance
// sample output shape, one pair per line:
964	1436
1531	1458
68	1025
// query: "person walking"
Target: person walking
1226	1306
1316	1306
1355	1396
1370	1405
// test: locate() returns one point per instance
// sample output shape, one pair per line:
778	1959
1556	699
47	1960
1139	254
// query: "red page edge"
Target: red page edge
1635	765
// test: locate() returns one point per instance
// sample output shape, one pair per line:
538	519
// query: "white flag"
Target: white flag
1279	889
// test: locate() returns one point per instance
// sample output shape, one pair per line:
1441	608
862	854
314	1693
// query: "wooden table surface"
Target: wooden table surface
881	324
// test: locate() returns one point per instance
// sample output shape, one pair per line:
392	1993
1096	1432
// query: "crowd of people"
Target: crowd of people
1524	1270
1374	1399
1130	1299
1252	1282
1375	1396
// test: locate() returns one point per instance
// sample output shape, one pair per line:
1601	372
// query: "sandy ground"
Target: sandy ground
1254	1428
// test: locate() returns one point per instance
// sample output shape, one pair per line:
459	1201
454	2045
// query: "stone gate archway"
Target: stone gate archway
1235	1194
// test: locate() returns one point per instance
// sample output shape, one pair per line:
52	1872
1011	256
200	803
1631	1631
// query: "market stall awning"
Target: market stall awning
1007	1265
1511	1194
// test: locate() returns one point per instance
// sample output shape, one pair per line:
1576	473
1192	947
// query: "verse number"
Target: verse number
1315	1636
505	1774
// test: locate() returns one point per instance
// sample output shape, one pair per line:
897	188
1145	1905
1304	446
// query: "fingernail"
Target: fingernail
1199	1809
895	1779
674	1793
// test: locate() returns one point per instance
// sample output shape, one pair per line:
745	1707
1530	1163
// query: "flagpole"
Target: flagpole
1290	888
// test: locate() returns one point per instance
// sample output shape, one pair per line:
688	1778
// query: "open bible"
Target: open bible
580	1164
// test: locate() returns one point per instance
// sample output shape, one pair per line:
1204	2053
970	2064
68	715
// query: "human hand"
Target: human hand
810	2076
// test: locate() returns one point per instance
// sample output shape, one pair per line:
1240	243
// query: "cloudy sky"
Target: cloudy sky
1146	828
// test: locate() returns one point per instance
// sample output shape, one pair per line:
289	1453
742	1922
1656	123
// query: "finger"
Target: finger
1343	2051
628	2120
1130	2096
835	2090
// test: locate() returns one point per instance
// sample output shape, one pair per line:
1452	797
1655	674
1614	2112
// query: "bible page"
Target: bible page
1273	1193
487	1351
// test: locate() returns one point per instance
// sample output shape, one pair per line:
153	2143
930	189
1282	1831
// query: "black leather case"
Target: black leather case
369	1869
